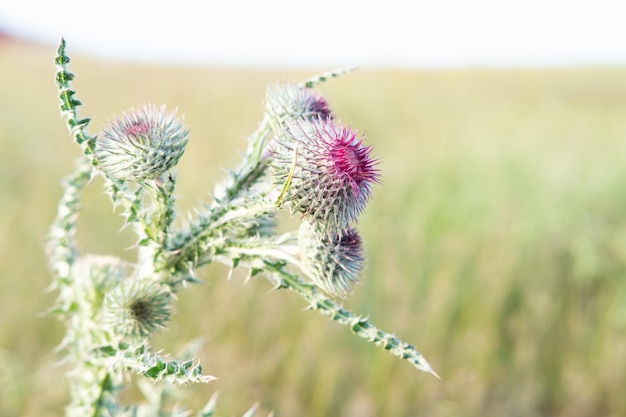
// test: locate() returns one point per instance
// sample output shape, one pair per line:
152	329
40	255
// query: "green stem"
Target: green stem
322	78
69	103
251	169
106	388
165	201
194	246
358	324
61	245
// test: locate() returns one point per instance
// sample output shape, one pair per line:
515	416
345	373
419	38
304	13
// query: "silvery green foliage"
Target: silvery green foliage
112	308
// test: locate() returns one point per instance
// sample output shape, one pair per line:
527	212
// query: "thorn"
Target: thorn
279	200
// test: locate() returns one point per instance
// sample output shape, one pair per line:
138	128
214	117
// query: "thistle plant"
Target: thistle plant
301	159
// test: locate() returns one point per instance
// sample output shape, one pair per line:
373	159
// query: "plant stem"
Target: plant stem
358	324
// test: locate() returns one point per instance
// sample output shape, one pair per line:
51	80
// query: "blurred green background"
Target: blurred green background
496	243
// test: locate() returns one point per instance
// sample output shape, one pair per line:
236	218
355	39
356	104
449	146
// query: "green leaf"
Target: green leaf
78	123
61	58
107	350
144	242
63	77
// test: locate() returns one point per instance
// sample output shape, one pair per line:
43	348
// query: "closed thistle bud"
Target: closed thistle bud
137	308
333	261
325	170
141	144
97	274
289	102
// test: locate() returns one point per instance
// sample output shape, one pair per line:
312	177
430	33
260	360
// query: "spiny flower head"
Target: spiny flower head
333	261
99	272
325	170
141	144
137	308
289	102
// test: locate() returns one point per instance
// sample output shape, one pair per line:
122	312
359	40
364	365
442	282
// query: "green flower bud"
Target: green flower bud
141	144
137	308
333	261
291	102
99	272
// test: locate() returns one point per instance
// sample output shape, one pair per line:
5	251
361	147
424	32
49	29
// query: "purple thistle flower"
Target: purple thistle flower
141	144
289	102
332	261
327	171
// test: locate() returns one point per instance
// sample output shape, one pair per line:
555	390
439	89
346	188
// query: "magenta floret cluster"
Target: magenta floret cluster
326	174
141	144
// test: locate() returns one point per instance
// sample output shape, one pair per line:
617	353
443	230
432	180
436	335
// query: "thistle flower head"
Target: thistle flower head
141	144
328	171
137	308
99	273
333	261
290	102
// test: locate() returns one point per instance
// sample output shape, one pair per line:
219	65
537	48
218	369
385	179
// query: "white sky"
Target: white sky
290	33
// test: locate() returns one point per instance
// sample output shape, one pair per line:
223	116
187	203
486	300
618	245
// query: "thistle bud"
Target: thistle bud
325	170
137	308
141	144
99	273
290	102
332	261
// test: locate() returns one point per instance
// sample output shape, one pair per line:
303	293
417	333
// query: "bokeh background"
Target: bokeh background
496	242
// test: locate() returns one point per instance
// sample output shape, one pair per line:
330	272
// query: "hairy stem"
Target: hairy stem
61	245
69	104
358	324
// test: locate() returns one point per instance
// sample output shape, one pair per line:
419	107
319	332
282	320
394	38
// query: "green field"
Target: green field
496	243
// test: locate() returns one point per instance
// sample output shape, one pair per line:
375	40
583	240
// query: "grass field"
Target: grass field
496	242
